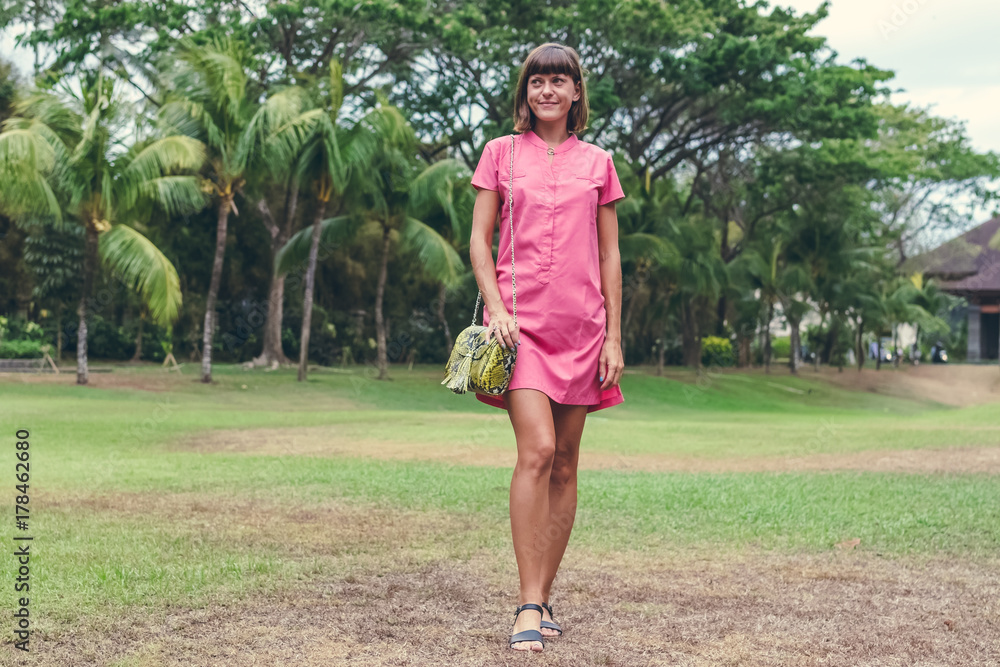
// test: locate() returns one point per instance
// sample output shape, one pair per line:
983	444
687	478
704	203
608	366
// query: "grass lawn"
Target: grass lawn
171	519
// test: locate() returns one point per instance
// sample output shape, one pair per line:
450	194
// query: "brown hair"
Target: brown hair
551	58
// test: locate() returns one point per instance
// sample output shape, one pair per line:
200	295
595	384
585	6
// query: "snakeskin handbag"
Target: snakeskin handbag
477	360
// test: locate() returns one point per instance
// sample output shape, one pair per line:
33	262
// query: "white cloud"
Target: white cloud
944	53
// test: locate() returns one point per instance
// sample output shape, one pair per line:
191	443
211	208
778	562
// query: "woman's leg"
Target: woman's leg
569	421
530	414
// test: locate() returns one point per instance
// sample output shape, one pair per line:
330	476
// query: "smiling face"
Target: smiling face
551	88
550	96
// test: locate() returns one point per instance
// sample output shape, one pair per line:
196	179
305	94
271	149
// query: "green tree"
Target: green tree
211	100
392	188
65	162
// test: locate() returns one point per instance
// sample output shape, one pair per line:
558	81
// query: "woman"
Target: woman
568	331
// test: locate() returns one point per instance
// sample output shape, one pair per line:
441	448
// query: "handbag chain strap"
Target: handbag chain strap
510	223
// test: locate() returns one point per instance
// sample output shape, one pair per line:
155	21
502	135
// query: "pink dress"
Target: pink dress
560	306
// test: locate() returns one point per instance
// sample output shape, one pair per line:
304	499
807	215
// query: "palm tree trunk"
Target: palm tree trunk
767	337
690	335
720	317
661	355
628	319
860	350
59	333
307	300
895	346
383	273
138	342
442	292
742	350
89	269
272	351
793	362
225	204
878	349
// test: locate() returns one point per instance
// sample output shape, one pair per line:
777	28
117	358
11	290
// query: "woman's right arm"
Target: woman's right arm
484	217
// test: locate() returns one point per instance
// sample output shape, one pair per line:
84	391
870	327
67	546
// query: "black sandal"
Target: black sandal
527	635
551	625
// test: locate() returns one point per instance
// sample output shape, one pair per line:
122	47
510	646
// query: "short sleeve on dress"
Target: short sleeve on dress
485	176
612	188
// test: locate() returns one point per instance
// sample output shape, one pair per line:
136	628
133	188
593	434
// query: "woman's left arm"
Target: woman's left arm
612	363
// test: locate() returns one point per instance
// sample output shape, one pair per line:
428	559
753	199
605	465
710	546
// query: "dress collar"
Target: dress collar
561	148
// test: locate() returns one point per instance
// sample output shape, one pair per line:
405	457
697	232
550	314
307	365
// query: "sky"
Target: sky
946	53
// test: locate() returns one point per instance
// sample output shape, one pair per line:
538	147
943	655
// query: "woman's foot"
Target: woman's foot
527	620
553	629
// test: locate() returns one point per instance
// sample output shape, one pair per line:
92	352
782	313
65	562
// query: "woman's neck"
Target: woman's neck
551	132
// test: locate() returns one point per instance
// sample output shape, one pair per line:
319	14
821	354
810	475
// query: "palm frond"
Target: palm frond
641	245
434	188
53	113
22	149
264	138
140	265
334	231
438	257
192	119
26	162
178	195
29	194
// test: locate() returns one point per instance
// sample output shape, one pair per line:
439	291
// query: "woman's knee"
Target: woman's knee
563	470
537	458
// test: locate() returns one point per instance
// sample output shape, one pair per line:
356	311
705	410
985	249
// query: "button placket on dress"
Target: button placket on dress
545	269
548	240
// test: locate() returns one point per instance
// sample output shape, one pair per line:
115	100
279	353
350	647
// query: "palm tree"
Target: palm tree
276	140
66	162
443	198
758	269
392	189
313	140
644	232
700	277
210	100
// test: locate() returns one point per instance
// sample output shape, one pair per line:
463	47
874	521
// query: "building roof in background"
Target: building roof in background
969	263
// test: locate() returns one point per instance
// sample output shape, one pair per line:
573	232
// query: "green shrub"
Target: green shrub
781	347
716	351
17	328
21	349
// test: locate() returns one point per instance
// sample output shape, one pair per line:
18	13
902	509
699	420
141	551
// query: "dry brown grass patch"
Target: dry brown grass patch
324	442
682	606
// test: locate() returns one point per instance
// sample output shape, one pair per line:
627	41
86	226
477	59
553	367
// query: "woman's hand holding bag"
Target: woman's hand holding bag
483	359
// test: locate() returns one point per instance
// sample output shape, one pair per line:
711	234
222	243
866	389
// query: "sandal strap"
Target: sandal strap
548	608
528	605
527	636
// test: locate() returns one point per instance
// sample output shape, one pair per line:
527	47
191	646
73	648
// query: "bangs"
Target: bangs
549	59
552	60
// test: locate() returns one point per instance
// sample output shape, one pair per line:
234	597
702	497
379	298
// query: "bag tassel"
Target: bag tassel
458	381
